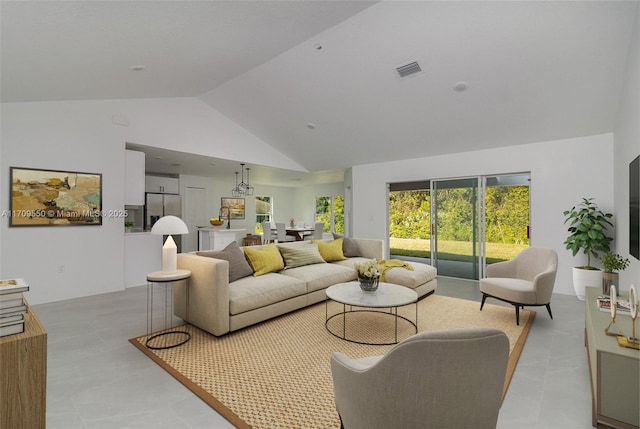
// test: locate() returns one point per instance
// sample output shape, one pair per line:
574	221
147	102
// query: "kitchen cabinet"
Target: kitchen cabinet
163	185
142	255
134	180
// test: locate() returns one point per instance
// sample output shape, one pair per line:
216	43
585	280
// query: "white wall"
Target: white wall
305	200
562	173
80	135
285	200
626	148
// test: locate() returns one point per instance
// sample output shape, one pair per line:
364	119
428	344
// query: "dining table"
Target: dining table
299	232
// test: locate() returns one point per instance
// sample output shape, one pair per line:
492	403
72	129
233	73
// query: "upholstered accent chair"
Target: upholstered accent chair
435	379
527	279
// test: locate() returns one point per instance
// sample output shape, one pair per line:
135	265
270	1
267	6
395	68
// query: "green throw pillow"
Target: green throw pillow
238	265
331	251
299	255
264	260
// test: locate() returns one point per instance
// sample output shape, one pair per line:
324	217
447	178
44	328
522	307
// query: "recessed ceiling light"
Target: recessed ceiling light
318	46
158	157
461	86
176	165
311	126
139	67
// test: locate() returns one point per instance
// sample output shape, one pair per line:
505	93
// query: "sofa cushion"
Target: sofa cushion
265	259
250	293
332	250
349	246
238	265
513	290
351	262
300	255
421	274
321	276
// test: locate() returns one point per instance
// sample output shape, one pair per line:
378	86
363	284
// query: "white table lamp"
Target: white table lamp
169	225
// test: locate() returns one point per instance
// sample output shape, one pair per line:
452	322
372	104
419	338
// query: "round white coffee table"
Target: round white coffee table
387	295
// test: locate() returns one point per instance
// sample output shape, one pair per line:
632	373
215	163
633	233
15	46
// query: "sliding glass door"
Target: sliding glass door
507	211
460	225
456	234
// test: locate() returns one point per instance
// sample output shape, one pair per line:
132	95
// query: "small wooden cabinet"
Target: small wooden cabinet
23	376
614	370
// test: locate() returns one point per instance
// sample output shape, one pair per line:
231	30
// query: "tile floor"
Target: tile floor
98	380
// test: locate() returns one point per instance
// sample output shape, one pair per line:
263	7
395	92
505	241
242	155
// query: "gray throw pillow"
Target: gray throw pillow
238	265
349	246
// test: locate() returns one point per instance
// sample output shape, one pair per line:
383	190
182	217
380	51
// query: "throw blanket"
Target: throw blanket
386	264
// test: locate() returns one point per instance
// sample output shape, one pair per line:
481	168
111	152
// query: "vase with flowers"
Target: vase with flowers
292	222
368	275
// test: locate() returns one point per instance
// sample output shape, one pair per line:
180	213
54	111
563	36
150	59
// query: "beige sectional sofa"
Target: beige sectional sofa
219	306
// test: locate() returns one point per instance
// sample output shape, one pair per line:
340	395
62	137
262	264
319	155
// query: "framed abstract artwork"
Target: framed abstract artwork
235	207
54	198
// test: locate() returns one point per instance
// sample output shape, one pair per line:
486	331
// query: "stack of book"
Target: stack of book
12	306
622	305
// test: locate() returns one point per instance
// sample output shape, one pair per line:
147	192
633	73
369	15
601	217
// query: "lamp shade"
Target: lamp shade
168	225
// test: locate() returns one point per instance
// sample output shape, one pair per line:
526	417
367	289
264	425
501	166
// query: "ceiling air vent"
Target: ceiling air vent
408	69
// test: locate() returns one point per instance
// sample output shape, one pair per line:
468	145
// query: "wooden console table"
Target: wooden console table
23	376
614	370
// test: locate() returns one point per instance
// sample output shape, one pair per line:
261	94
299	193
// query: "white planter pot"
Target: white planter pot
583	278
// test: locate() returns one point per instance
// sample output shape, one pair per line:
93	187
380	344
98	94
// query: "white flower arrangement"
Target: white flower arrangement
368	269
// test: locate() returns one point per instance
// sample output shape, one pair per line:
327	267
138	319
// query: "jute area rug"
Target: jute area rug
277	374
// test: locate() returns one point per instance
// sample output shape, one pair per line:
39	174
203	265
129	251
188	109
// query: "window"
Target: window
263	212
330	211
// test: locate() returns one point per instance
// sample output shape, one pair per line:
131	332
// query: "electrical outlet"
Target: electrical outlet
61	268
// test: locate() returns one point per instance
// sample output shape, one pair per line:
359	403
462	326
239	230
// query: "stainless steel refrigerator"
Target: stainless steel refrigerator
158	205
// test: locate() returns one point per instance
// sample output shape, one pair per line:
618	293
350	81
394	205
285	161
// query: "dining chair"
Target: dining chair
281	233
267	233
319	230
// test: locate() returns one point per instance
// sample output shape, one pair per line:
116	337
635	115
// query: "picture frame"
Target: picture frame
234	205
41	197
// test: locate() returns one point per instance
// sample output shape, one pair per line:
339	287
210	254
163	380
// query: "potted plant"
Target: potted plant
587	232
128	226
612	263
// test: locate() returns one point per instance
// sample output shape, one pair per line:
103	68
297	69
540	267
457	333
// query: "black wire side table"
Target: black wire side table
167	280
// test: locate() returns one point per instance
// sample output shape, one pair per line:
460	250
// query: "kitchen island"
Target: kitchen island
217	238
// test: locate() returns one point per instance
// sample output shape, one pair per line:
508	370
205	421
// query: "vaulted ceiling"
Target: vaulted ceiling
317	80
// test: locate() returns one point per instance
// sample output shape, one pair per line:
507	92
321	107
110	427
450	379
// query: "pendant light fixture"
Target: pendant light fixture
242	188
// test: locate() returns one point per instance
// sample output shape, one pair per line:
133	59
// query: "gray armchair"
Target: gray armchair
527	279
435	379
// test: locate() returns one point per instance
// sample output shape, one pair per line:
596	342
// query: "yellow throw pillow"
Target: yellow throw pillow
266	259
331	251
